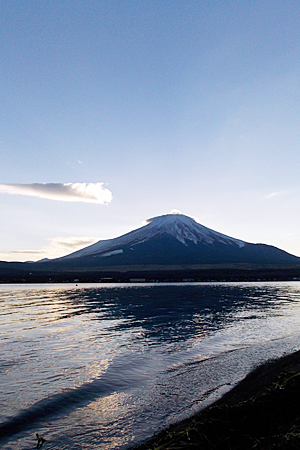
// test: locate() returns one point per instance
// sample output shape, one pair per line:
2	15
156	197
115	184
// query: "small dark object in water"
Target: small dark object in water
40	439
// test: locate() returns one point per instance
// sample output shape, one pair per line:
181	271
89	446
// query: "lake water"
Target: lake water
105	366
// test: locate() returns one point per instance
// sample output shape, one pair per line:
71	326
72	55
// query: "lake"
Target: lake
105	366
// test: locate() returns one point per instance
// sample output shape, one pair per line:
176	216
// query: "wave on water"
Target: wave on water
120	376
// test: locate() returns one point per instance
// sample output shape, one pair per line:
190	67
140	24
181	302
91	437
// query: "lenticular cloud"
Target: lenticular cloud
66	192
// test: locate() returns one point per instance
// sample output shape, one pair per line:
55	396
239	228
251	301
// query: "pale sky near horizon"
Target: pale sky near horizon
113	112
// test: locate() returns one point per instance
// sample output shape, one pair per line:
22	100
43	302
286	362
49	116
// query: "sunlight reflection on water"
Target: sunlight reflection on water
104	366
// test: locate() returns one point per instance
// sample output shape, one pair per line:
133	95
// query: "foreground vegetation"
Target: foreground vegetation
262	413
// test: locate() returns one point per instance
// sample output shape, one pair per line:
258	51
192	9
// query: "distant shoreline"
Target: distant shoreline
261	412
31	273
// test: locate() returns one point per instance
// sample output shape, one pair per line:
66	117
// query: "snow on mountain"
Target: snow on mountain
183	228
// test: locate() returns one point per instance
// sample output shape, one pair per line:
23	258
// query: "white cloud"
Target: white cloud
66	192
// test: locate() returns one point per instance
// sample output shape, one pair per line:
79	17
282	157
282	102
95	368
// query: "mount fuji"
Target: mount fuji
172	240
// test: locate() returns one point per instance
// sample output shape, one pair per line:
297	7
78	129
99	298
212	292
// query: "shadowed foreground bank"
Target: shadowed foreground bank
261	412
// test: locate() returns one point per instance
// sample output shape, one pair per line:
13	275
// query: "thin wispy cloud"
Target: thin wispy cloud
72	243
58	246
66	192
27	252
275	194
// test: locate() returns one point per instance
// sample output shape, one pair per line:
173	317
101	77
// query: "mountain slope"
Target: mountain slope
173	239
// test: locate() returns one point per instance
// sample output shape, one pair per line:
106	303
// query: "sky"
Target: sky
116	111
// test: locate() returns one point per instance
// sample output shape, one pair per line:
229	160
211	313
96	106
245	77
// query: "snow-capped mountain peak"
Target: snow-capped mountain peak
183	228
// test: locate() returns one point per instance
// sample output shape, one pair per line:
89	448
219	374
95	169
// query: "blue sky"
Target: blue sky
117	111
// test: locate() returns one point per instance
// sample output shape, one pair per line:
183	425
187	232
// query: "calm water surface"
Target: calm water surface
105	366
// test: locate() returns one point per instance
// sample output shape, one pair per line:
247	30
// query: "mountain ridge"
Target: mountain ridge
169	247
183	228
174	239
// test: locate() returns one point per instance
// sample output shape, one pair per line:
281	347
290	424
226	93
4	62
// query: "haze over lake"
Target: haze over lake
107	365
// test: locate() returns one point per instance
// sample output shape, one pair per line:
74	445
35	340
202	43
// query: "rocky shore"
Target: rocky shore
261	412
